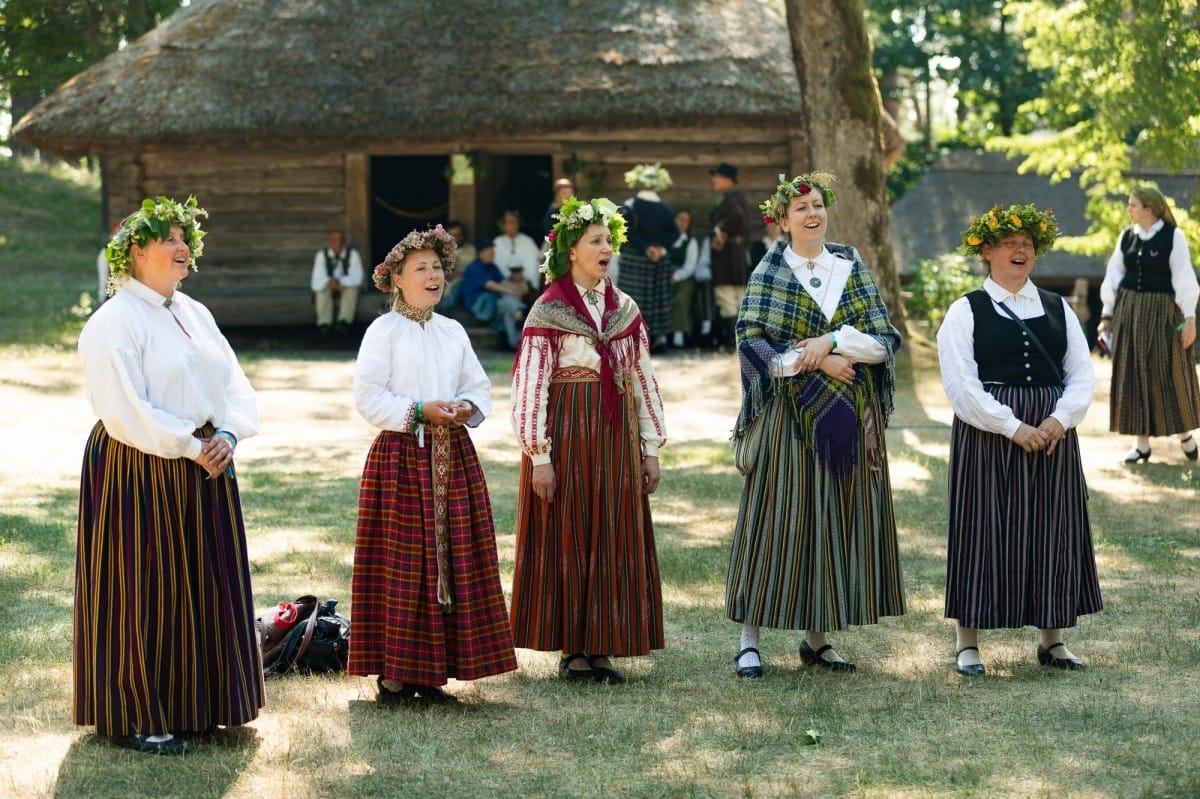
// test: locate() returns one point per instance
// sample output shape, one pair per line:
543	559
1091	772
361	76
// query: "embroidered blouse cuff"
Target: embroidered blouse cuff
649	450
540	459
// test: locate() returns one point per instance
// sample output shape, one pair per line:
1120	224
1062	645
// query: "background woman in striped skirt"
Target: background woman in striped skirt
1149	316
426	596
646	267
164	616
814	547
588	415
1020	543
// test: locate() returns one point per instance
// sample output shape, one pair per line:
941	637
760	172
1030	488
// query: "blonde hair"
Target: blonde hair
1153	199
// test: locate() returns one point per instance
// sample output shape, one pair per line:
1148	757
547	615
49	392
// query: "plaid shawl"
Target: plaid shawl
776	313
560	311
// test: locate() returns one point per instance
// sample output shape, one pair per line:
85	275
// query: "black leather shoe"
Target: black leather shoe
139	743
1137	454
407	695
753	672
812	658
971	669
575	675
433	695
1066	664
604	674
1193	453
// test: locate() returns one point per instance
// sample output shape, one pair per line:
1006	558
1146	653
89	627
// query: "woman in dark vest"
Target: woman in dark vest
1149	317
1020	543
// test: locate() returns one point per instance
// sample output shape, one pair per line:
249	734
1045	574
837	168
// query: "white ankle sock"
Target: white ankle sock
749	639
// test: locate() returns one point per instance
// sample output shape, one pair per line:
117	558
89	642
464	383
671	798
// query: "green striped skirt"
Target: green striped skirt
810	551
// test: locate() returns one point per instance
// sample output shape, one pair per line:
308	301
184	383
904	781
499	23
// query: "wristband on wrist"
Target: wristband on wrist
228	436
833	338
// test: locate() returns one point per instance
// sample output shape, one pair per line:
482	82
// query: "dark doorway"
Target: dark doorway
407	193
521	183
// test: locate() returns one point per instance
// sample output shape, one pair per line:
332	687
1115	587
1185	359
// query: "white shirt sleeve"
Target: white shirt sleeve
1079	377
320	277
960	374
1183	275
688	268
354	270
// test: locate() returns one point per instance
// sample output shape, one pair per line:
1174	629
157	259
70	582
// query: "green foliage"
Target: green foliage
905	173
1123	102
935	284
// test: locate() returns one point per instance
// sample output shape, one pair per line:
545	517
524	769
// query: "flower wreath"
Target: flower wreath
648	176
436	239
990	228
775	208
573	219
152	222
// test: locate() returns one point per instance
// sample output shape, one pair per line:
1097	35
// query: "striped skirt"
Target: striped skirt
1020	543
649	284
164	616
586	577
399	629
810	551
1154	387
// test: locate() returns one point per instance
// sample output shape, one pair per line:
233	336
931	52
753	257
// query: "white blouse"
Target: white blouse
960	373
152	384
1183	276
400	363
531	388
833	272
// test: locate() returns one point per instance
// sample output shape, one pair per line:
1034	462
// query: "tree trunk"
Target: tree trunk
841	129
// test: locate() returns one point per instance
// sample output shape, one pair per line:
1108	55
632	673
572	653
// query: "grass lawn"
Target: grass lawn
904	726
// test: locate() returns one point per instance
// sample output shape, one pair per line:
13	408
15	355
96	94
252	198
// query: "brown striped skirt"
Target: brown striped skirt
1020	543
164	615
1154	386
400	631
586	577
810	551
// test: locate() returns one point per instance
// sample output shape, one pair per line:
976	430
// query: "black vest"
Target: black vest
1005	353
1148	263
337	263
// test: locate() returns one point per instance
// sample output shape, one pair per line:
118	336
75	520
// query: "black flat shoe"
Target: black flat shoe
433	695
407	694
1137	454
972	669
812	658
575	675
139	743
752	672
1066	664
1191	454
604	674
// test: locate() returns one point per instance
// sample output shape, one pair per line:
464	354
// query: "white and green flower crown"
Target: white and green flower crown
436	239
573	219
997	224
648	176
152	222
775	207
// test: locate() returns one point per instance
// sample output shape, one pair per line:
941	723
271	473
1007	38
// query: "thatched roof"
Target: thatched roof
420	70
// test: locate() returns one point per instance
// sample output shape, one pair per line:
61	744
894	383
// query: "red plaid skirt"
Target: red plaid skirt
399	630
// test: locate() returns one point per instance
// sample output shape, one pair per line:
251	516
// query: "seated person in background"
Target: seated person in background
463	257
516	249
491	297
337	275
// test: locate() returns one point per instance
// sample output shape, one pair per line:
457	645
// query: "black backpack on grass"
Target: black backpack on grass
316	640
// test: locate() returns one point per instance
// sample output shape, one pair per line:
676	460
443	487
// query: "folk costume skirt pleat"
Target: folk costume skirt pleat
586	577
164	614
400	630
649	284
1154	386
1020	542
811	551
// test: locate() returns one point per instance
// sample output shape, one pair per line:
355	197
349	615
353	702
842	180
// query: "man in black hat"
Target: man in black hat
730	252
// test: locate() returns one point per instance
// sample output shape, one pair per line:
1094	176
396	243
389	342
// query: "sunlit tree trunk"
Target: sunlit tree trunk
842	131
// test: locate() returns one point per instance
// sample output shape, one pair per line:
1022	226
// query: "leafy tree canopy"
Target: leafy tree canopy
1123	102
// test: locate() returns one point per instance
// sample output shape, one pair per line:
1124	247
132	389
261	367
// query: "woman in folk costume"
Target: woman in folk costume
164	615
814	548
646	267
1020	544
426	595
1149	315
589	418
